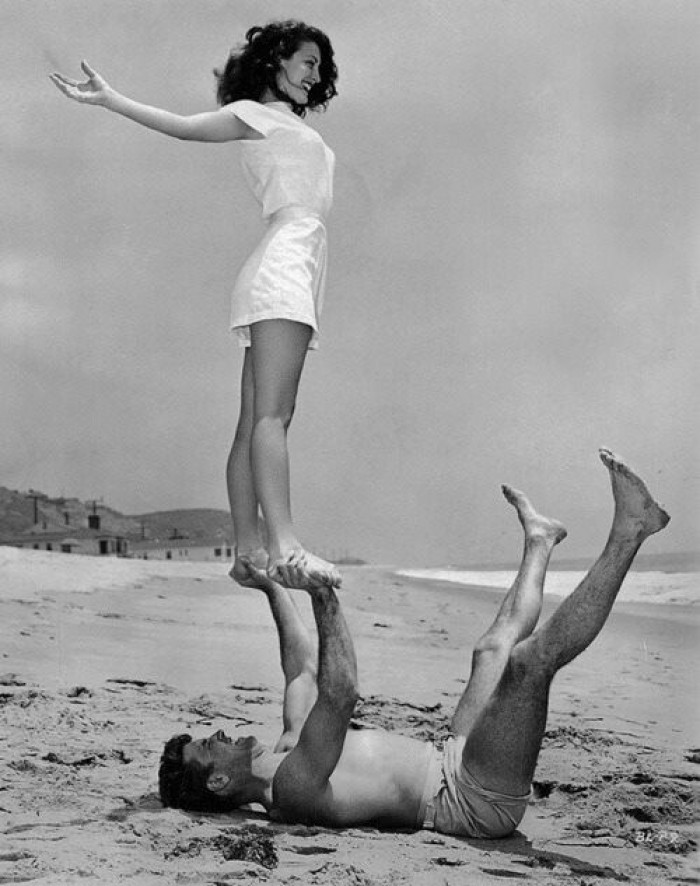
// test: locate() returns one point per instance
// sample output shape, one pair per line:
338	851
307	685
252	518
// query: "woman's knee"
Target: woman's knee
274	405
277	416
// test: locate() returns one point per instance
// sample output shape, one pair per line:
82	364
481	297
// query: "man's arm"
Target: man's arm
303	775
297	657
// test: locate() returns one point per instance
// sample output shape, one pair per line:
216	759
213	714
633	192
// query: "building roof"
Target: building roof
157	544
76	536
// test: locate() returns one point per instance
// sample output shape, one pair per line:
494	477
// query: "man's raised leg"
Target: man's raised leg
519	612
502	748
579	619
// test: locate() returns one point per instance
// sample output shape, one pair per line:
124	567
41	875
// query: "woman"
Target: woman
264	91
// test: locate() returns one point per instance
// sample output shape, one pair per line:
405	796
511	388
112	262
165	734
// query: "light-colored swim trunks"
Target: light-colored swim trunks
455	803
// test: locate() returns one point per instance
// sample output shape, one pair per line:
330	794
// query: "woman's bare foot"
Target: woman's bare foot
534	524
637	515
303	570
256	558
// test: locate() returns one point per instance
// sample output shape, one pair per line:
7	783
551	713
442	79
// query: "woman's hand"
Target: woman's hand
93	91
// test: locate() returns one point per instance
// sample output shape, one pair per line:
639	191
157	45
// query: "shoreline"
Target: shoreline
669	611
651	587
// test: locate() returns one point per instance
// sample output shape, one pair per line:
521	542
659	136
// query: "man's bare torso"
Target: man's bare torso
379	779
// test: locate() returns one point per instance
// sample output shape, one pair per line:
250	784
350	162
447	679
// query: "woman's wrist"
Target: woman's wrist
112	99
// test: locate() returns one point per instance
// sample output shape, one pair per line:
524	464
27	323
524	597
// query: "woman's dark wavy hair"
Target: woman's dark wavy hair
185	786
252	68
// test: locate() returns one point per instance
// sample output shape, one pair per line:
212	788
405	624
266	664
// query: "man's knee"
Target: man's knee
528	660
494	644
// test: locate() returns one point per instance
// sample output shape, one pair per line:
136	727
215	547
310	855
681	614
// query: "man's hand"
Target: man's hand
93	91
293	573
261	579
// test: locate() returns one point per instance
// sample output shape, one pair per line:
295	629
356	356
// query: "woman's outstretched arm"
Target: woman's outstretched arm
210	126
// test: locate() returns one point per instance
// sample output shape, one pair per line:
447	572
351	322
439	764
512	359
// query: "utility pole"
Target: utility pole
36	498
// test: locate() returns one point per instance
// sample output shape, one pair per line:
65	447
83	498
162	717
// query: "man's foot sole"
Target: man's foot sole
636	511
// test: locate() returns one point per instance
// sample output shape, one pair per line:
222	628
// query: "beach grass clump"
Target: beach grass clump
249	843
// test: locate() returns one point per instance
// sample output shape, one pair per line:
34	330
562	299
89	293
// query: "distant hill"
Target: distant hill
193	523
35	512
22	512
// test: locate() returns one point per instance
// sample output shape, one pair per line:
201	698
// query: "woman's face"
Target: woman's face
299	73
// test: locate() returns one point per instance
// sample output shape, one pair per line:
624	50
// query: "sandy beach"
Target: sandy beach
104	659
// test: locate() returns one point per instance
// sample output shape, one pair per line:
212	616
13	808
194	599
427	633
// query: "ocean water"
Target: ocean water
675	588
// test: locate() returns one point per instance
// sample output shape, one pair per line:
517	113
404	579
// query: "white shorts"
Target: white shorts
455	803
285	277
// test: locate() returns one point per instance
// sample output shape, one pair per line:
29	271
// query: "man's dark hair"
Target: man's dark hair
252	68
184	786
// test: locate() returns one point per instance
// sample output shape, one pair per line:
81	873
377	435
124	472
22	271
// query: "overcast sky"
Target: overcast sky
513	271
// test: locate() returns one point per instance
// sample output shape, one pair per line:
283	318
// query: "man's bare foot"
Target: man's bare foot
303	570
534	524
637	515
256	558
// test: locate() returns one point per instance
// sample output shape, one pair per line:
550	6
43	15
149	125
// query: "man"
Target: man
479	786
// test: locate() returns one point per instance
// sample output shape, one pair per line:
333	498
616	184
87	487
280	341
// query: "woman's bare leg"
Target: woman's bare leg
518	614
241	489
278	352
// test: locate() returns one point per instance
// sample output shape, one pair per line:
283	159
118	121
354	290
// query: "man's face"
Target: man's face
221	753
